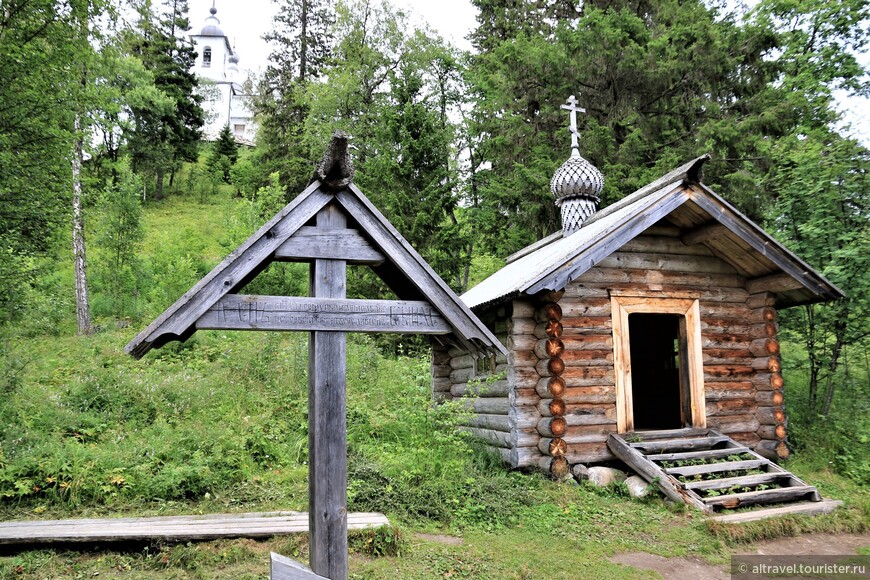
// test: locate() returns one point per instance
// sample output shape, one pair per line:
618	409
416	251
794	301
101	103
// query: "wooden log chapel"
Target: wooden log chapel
658	312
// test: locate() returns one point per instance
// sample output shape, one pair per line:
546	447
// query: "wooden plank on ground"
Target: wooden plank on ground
634	454
170	528
805	508
728	482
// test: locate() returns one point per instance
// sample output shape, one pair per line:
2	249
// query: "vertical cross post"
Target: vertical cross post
574	108
327	421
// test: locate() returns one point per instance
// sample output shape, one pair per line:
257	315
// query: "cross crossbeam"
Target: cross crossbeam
574	108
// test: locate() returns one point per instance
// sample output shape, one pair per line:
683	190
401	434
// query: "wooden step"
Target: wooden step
690	470
666	434
801	508
783	494
679	444
698	454
645	449
170	528
727	482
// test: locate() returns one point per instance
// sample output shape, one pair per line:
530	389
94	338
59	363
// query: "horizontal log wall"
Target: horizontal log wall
556	404
483	391
739	349
440	370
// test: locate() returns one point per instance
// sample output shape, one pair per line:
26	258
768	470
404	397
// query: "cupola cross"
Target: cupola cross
573	106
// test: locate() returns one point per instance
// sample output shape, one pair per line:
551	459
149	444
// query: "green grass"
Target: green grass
219	424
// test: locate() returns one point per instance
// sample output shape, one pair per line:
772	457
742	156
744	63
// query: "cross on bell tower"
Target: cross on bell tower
574	108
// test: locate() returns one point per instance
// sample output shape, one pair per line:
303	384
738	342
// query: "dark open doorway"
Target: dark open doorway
656	382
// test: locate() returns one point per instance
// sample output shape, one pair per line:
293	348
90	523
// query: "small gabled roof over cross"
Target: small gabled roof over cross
426	303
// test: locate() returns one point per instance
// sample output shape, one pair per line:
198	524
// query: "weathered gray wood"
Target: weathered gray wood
765	245
327	421
474	336
491	406
283	568
651	435
681	444
733	424
499	388
285	313
646	243
310	242
697	454
727	482
635	459
735	500
687	491
177	322
484	421
672	196
779	282
169	528
717	467
465	361
672	262
494	438
704	233
589	453
804	508
524	457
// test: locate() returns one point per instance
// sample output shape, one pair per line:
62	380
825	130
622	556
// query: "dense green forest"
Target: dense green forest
111	207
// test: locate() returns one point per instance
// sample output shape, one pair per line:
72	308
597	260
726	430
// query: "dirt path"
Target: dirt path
698	569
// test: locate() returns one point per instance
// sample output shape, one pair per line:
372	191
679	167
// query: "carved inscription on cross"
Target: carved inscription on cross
572	106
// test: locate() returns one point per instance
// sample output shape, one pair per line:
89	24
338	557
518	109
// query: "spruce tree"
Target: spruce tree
302	45
224	153
162	141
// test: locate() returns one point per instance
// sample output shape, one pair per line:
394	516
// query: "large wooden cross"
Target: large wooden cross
330	225
574	108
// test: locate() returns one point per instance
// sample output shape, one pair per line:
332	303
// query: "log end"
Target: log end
559	468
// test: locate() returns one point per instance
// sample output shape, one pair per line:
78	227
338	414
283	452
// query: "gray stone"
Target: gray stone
603	476
637	486
580	471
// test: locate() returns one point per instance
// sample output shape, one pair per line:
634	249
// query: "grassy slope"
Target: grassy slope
219	424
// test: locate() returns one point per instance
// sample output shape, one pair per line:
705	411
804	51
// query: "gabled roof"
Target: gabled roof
403	270
679	197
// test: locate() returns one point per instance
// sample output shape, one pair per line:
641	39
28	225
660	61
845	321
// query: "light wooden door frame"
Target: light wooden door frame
683	304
